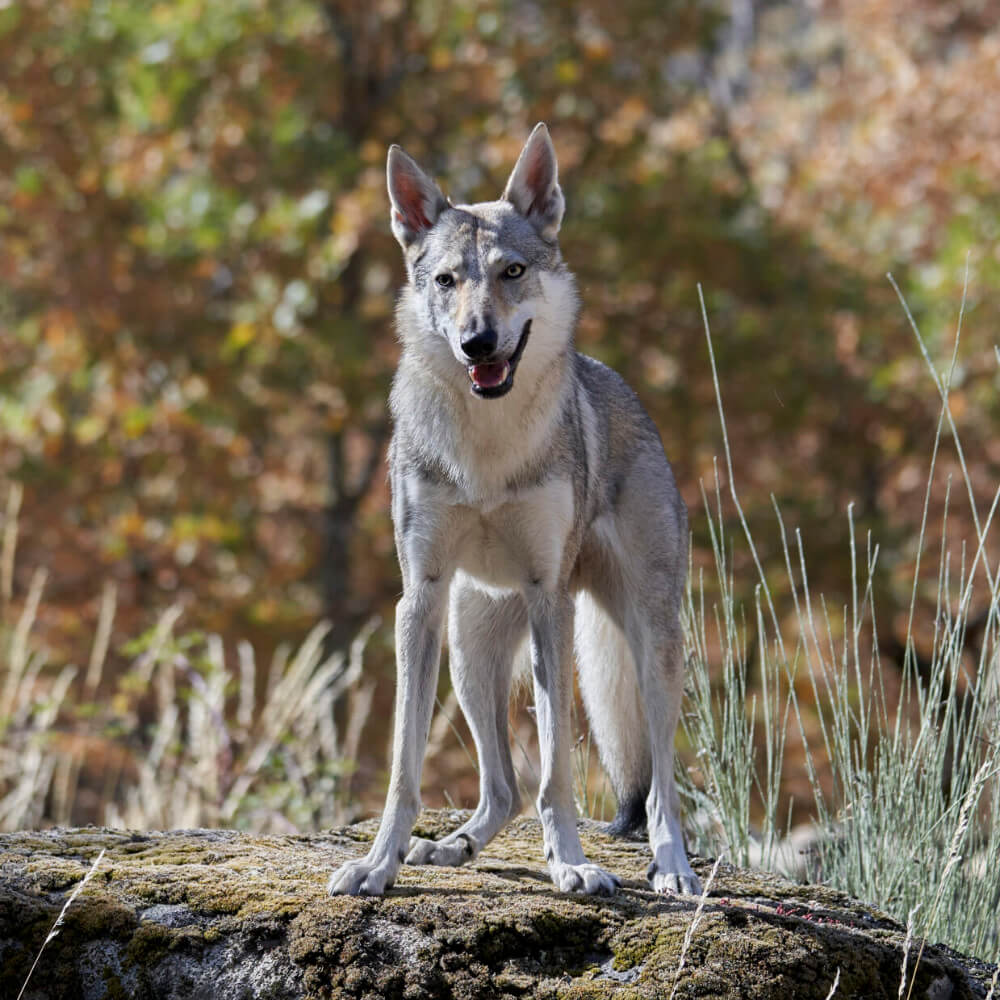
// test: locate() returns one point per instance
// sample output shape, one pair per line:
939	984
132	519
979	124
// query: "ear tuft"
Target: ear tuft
533	188
416	200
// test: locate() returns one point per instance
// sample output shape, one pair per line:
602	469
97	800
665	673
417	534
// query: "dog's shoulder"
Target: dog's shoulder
617	408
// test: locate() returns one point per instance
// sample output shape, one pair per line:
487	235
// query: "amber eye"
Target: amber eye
514	271
445	280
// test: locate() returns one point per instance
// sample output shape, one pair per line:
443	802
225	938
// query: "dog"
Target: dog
532	503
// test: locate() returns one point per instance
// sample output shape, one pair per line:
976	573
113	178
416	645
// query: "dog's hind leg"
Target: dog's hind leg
650	535
483	636
655	638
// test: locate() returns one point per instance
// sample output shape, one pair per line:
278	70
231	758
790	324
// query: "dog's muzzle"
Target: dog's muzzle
493	379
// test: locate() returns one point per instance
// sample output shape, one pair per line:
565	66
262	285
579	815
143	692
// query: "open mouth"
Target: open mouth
493	379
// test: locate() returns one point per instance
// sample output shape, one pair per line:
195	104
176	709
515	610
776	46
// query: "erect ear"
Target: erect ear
416	200
533	188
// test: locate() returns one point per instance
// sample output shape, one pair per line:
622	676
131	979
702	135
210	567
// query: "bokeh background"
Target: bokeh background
197	283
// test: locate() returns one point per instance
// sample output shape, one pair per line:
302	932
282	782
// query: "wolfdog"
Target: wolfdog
532	502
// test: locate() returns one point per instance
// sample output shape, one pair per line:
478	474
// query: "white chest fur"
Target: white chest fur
515	542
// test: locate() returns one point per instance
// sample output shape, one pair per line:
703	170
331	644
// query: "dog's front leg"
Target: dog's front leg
419	617
552	668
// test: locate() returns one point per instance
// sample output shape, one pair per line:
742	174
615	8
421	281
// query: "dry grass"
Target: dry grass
189	737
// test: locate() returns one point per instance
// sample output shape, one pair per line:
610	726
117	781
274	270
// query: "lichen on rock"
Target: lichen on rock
228	915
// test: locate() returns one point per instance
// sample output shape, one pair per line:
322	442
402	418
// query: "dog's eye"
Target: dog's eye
513	271
445	280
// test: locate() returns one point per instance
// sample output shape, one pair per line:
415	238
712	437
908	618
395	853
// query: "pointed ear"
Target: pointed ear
533	188
416	200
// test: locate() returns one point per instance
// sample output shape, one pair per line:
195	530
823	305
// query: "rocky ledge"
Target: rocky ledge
228	915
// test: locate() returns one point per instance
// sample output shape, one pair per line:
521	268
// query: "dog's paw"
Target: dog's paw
451	852
591	879
360	878
681	883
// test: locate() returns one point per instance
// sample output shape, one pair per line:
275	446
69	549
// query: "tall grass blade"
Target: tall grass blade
59	920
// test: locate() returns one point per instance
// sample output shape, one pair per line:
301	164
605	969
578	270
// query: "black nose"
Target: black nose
480	345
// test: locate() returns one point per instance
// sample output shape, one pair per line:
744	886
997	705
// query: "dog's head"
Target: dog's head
482	275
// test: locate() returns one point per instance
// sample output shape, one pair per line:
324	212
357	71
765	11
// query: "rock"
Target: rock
229	916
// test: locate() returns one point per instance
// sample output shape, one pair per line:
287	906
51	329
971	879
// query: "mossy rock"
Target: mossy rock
229	916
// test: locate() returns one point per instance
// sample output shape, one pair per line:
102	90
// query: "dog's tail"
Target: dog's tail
610	688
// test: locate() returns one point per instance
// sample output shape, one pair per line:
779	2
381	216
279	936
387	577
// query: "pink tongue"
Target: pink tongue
489	376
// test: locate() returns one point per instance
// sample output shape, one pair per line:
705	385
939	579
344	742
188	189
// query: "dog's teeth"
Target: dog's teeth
486	375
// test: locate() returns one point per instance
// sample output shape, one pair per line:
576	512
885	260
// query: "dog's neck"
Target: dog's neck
485	448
